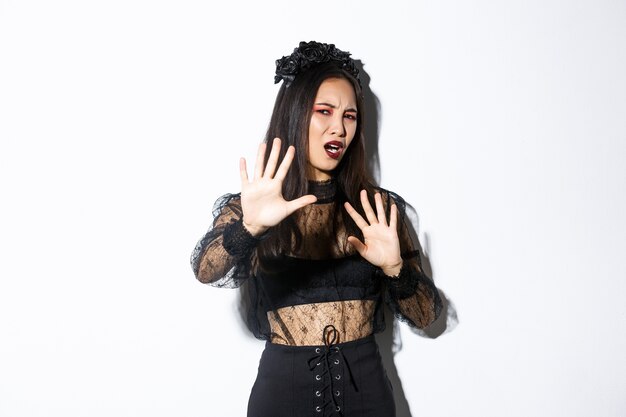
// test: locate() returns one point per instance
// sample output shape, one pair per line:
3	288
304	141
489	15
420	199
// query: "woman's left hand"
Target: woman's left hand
382	246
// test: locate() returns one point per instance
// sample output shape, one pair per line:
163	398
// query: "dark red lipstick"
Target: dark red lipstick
333	149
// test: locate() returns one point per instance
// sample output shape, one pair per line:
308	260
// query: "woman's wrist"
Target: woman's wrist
393	271
255	231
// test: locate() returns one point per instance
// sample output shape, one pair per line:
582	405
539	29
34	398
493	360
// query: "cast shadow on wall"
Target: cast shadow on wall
389	341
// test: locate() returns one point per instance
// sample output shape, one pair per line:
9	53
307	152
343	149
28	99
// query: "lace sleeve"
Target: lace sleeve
411	295
226	253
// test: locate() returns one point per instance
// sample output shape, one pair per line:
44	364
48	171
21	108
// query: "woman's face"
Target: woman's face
332	128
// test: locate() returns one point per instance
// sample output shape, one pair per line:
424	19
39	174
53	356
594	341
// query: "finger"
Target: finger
285	164
380	211
358	245
258	166
243	170
367	207
393	217
273	159
298	203
358	219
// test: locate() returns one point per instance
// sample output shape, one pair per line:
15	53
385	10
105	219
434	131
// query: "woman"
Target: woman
319	248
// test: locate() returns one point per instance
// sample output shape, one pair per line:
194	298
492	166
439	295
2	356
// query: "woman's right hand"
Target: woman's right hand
262	199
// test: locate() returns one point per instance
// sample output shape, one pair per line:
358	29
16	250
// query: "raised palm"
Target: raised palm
381	246
262	199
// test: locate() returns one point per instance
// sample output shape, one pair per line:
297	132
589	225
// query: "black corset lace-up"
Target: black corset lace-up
330	363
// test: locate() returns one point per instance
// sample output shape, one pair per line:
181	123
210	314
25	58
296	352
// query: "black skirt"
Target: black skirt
346	379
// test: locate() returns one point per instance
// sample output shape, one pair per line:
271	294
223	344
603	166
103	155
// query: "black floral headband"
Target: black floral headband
309	54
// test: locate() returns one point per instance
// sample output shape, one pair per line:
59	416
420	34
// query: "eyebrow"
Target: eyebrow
332	106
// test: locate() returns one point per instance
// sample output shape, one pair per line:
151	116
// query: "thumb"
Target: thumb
298	203
358	245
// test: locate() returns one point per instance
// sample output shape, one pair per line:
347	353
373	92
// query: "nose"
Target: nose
338	128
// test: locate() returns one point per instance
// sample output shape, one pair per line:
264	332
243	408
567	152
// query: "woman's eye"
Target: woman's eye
324	111
350	116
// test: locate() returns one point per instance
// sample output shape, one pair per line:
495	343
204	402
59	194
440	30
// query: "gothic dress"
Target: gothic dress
317	305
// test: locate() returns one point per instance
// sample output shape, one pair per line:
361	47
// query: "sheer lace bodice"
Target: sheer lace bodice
318	281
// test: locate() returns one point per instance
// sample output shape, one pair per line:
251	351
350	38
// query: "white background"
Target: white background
502	122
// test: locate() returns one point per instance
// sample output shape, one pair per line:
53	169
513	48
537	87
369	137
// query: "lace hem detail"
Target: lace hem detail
237	239
404	284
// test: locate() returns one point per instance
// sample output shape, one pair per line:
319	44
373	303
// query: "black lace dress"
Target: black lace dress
317	304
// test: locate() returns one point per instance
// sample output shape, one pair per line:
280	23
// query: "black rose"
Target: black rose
351	68
338	55
286	68
309	54
314	52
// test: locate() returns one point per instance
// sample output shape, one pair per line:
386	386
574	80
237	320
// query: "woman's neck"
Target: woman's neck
324	190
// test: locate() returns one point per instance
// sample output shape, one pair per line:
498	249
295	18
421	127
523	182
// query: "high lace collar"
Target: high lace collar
325	191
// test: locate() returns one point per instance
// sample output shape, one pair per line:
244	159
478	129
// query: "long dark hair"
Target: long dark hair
290	122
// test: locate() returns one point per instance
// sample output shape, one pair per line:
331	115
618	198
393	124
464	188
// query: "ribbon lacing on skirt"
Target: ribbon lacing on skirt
327	358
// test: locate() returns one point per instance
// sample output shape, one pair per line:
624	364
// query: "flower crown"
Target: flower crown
309	54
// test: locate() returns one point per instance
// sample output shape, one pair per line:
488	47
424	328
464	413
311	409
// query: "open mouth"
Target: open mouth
333	149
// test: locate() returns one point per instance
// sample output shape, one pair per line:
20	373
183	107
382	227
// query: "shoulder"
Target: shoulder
390	197
406	212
